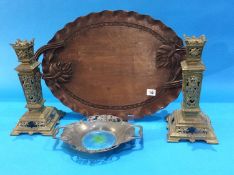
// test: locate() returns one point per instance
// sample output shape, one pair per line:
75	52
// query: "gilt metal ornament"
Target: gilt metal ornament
38	118
190	123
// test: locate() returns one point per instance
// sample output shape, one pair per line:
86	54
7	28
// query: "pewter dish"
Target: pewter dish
98	136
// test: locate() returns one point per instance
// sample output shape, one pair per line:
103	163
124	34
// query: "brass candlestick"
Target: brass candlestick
190	122
38	118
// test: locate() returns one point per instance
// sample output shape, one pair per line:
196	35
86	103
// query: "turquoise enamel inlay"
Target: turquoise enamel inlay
98	140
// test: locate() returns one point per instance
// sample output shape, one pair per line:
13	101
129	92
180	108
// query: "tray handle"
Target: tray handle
140	132
44	48
57	131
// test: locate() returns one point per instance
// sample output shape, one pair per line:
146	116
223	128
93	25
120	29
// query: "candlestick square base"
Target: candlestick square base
192	128
42	122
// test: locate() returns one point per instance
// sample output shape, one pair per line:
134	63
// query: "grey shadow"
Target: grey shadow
201	145
198	145
26	137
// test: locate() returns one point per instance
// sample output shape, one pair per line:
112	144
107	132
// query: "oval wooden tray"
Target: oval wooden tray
104	63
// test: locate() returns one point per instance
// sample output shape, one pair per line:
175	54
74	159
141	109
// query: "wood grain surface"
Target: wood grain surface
110	59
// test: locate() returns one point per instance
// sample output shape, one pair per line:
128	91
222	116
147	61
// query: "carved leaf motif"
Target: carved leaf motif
169	56
59	73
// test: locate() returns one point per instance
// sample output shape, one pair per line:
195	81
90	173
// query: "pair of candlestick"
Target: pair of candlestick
189	123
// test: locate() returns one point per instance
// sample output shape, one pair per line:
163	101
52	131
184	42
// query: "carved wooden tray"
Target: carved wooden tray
103	63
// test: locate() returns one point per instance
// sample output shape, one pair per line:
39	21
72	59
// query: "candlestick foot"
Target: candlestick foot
194	128
42	122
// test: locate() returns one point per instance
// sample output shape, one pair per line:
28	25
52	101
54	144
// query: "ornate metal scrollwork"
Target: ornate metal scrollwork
192	90
191	130
32	87
24	50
